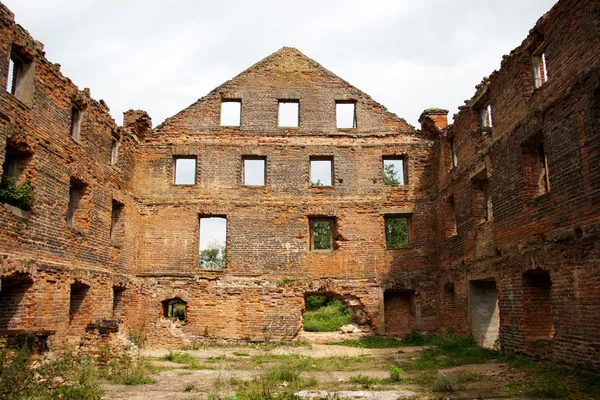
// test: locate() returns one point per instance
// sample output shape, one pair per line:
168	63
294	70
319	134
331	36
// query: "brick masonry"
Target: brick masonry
486	229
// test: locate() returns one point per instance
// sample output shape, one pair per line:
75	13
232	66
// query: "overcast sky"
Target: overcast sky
161	56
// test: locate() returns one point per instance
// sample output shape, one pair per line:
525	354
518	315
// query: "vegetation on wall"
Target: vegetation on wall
12	193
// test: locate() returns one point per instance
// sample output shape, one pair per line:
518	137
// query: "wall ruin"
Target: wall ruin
503	204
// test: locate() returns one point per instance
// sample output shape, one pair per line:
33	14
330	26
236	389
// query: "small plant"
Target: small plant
138	337
444	383
15	195
240	354
396	374
180	358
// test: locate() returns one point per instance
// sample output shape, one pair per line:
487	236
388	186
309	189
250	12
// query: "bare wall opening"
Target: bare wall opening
118	307
537	322
13	291
77	297
399	312
484	311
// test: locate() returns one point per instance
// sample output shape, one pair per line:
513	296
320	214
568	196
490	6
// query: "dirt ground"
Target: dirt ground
217	372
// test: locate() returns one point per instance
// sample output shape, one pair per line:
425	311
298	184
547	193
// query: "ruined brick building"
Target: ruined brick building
490	225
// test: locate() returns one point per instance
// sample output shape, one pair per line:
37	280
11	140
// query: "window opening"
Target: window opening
482	200
117	310
288	113
540	72
175	308
321	234
114	151
231	112
76	194
254	171
345	114
76	118
321	171
78	293
453	153
393	171
116	223
396	232
185	171
213	241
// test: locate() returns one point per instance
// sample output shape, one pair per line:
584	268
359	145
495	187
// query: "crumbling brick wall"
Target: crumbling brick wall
38	243
507	205
551	131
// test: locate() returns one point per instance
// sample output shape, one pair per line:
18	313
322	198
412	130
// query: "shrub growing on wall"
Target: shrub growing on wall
20	196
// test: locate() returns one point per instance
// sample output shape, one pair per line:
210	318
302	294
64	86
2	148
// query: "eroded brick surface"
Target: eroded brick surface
517	219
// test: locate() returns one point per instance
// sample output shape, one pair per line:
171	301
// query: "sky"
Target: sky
162	56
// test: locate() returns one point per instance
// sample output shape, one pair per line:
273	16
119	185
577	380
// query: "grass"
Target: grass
367	382
22	376
125	371
275	383
185	358
544	379
380	342
303	363
264	346
327	318
68	378
179	358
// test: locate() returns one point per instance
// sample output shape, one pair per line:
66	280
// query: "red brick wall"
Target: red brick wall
270	267
528	229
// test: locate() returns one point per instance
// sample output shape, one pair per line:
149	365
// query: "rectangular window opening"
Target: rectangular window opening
231	112
450	216
536	177
76	119
114	151
321	171
16	70
116	221
322	233
78	293
394	171
453	155
543	180
185	170
397	234
20	77
288	113
117	309
13	75
14	301
540	72
345	114
74	209
255	171
482	199
213	241
485	118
